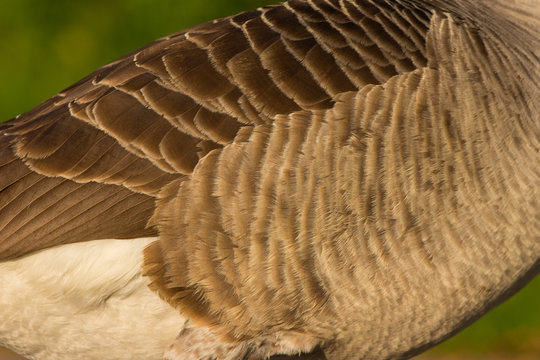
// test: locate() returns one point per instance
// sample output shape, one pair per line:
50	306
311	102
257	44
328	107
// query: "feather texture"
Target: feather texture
334	169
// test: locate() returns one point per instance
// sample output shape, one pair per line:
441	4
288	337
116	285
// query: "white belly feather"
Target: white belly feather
84	301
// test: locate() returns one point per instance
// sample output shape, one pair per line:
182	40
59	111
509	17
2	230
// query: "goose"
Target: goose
329	179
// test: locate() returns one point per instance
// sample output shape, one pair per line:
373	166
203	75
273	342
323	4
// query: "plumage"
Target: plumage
356	176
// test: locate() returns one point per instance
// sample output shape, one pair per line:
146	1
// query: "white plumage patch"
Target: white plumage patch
84	301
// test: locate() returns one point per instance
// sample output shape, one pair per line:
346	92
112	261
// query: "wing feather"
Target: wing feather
125	132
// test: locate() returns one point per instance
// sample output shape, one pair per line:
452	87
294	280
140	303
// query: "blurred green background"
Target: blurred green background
46	46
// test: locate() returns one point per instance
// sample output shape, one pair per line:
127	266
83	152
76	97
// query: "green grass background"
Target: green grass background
46	45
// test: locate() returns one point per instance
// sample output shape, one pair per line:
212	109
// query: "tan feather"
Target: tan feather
361	175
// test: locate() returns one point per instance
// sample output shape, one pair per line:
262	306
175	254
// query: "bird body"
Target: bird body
357	176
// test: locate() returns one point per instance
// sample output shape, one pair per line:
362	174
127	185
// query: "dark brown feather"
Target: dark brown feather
288	157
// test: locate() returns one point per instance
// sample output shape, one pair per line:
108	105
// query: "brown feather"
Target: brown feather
363	172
